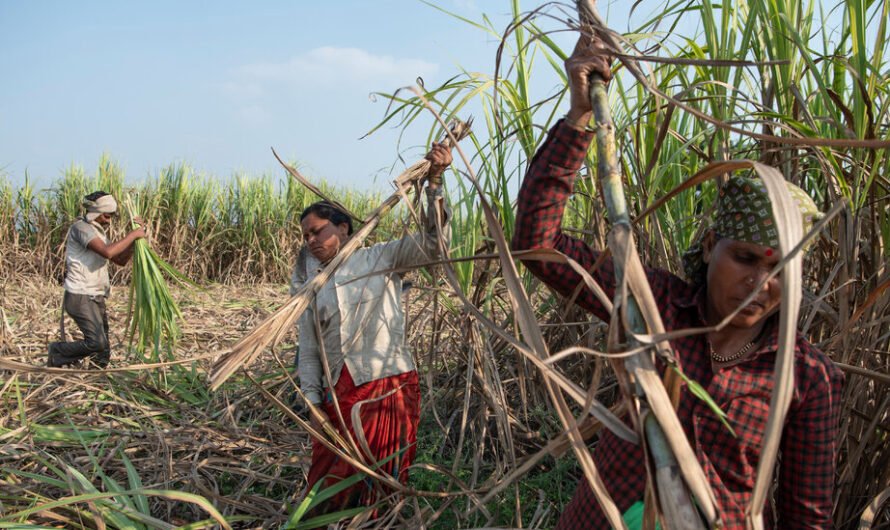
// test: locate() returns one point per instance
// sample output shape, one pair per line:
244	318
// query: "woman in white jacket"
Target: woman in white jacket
357	325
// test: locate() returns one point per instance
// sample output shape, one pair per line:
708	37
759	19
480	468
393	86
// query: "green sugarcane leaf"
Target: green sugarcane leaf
155	312
324	520
698	391
141	501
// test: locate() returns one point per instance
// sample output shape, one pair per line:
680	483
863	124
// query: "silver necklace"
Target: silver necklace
728	358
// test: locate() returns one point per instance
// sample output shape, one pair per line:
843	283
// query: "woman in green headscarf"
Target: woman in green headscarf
744	213
735	364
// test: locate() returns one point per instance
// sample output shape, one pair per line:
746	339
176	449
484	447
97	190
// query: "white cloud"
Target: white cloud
466	6
328	65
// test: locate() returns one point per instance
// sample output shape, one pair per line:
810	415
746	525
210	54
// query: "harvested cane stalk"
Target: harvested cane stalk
273	329
153	311
665	437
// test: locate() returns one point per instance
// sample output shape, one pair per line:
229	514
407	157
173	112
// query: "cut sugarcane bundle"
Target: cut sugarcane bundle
153	311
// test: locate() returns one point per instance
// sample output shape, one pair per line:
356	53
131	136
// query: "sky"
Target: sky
217	83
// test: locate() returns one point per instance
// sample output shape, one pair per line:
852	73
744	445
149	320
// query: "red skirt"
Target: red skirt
390	427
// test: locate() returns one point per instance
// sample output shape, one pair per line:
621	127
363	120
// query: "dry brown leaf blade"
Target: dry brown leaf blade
790	231
871	511
525	317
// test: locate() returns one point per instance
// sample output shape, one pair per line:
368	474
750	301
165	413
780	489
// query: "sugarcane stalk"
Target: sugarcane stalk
677	505
673	496
670	487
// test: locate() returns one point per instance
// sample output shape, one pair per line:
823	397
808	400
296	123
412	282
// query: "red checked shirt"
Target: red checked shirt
807	459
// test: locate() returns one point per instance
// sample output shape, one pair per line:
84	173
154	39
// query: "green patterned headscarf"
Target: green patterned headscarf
744	214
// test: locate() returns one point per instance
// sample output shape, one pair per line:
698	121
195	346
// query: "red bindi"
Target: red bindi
769	252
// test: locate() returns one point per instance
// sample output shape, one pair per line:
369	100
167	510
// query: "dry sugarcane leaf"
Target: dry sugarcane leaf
312	187
273	329
555	256
7	364
334	448
555	448
465	489
538	254
594	407
863	441
864	372
359	429
345	440
647	376
7	338
869	301
525	317
790	230
871	511
574	350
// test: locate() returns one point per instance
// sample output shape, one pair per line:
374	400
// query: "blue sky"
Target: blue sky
217	83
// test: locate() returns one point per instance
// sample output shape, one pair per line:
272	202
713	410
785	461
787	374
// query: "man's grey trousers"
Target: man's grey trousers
89	314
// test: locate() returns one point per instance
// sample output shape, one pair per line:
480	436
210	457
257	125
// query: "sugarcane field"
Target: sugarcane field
627	268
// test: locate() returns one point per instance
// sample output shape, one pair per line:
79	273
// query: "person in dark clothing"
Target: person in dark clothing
734	364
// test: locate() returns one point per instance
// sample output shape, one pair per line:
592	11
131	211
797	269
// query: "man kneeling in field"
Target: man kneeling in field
87	252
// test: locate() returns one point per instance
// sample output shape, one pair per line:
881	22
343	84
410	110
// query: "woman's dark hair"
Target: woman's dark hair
328	210
95	195
699	276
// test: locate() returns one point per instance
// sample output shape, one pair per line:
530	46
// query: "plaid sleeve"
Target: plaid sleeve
542	199
806	476
547	187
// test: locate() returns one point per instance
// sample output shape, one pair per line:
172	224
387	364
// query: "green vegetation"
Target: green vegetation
245	230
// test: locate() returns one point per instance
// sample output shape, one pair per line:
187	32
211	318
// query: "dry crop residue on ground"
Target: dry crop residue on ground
229	447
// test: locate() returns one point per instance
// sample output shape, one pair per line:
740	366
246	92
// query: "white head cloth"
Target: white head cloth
104	204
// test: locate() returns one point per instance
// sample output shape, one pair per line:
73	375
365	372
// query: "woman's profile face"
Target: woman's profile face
735	268
323	237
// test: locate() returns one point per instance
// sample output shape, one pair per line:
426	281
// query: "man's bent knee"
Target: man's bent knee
98	346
